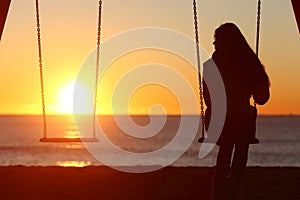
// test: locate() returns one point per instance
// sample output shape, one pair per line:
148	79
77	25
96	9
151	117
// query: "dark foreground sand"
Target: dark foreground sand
169	183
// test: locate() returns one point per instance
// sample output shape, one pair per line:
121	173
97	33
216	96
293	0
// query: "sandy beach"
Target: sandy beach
20	182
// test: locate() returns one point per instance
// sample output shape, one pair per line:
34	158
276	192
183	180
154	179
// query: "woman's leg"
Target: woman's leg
224	160
240	158
222	171
239	162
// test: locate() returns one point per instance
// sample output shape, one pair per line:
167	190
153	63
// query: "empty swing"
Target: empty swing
45	137
200	77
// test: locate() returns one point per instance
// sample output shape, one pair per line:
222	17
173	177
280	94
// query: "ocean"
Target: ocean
19	142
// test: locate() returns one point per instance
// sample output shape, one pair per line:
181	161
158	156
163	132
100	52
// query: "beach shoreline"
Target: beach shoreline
100	182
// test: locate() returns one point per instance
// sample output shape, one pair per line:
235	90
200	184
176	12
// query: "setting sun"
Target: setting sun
65	99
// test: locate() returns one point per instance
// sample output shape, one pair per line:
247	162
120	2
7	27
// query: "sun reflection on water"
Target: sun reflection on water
71	134
73	163
73	146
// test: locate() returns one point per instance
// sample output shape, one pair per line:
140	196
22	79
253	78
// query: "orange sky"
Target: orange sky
69	35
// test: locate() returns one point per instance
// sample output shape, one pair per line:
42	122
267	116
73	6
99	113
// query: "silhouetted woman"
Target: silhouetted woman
243	76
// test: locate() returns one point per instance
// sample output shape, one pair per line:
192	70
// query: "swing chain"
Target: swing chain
257	31
97	68
196	21
199	66
41	67
258	25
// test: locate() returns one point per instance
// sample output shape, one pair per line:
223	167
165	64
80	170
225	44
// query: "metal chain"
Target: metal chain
97	68
41	67
258	26
257	31
199	65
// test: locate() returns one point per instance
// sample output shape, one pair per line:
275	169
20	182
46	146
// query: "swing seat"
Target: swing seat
254	141
67	140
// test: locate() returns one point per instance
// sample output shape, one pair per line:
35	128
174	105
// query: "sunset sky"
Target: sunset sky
69	30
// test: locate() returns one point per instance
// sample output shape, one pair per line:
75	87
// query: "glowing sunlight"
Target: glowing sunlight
65	99
73	163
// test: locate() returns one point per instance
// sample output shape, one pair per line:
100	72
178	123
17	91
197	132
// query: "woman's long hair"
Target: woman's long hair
233	46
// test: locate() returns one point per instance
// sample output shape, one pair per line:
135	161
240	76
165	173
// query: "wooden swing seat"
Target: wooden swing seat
67	140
